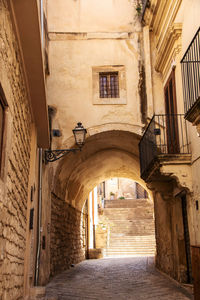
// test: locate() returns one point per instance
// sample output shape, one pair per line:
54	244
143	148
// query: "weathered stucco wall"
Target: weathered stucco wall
76	50
92	16
16	162
68	240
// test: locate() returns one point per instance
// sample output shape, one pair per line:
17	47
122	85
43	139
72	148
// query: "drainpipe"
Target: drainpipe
93	222
39	219
40	174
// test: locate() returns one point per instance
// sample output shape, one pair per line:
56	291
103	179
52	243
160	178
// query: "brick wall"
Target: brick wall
14	183
68	243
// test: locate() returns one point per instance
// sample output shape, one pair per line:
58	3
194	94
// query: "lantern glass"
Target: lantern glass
79	134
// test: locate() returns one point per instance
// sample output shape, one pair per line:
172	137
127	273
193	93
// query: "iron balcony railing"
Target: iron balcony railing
190	65
165	135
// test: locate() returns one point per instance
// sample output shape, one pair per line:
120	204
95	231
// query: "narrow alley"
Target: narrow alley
115	278
99	149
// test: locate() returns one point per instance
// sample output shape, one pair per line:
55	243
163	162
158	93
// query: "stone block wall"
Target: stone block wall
68	241
171	255
15	165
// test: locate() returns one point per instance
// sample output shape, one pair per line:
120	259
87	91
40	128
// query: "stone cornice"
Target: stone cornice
62	36
160	17
158	12
171	42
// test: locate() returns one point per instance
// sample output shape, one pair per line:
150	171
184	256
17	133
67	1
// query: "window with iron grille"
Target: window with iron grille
109	85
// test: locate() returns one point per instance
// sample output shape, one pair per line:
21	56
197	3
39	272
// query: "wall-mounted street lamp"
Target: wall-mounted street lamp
79	134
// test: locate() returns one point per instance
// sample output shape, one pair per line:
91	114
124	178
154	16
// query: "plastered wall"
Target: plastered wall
85	35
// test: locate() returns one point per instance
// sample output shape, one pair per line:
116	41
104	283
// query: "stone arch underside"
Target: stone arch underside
107	154
112	153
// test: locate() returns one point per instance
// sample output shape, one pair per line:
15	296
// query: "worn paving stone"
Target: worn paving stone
115	278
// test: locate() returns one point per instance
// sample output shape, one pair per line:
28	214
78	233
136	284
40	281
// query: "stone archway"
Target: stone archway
107	154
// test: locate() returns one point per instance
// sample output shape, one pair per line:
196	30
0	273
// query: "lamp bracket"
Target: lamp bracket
53	155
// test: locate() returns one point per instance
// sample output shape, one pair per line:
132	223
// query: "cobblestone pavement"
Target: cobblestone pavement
115	278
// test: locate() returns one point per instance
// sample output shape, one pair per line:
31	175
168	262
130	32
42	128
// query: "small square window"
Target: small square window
108	85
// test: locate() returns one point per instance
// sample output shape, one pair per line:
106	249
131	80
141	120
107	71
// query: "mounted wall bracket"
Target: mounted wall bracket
53	155
79	134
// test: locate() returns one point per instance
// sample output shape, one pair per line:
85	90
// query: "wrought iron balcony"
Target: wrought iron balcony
166	136
190	65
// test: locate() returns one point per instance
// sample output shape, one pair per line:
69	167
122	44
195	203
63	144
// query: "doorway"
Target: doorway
171	115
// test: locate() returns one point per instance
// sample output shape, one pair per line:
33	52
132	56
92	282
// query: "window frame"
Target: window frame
122	94
112	88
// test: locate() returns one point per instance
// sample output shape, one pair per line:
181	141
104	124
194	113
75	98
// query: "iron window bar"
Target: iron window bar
108	85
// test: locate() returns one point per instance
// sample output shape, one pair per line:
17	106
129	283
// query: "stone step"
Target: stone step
132	237
129	231
133	231
128	244
140	238
121	222
131	249
131	245
124	209
122	237
118	203
117	220
138	227
113	250
128	209
115	255
132	228
129	253
136	222
118	233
